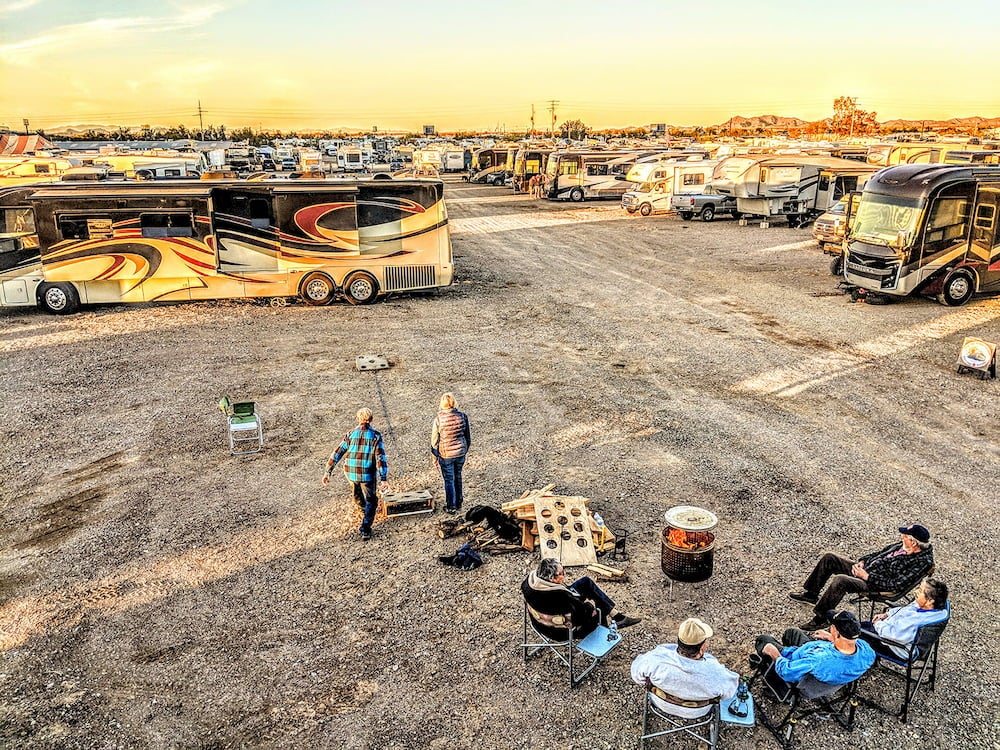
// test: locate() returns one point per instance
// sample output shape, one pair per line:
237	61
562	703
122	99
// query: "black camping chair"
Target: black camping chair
917	668
890	598
792	703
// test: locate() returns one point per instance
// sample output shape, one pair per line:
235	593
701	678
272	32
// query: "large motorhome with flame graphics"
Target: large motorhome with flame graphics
579	175
927	229
796	188
144	242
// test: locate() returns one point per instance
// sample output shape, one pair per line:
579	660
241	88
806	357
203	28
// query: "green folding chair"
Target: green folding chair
246	431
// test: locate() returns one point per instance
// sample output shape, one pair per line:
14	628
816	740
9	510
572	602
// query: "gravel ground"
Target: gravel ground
157	592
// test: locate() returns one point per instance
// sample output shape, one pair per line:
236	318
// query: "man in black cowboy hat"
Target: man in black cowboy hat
889	569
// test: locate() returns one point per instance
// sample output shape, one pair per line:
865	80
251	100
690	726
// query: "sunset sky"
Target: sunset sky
327	64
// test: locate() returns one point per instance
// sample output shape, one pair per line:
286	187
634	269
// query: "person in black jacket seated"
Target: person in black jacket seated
890	569
554	606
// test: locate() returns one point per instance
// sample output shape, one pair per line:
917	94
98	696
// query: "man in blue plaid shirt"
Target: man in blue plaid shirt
365	455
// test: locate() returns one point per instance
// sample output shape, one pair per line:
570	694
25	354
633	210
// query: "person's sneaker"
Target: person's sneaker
803	596
624	621
365	535
450	511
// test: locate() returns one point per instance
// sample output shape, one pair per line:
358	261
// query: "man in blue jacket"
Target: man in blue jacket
833	656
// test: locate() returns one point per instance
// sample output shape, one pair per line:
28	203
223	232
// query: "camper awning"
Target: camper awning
12	144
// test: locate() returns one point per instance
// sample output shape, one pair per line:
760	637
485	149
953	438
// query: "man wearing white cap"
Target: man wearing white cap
684	678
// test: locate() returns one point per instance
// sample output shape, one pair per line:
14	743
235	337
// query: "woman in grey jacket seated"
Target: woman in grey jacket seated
554	606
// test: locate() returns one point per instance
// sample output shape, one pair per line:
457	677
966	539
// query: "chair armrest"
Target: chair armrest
886	640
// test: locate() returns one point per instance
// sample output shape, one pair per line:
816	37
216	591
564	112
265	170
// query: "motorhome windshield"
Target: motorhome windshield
886	220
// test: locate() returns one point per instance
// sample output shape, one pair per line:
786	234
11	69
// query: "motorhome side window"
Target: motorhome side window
985	216
79	227
693	179
567	167
597	170
17	220
166	225
947	218
260	213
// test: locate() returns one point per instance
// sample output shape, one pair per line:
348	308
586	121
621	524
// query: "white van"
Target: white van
649	198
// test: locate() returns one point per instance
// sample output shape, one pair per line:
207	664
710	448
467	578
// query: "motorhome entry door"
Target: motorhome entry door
984	249
244	229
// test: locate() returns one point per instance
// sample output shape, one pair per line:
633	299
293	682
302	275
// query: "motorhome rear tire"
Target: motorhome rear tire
58	299
837	265
317	289
360	288
645	209
707	213
958	289
576	195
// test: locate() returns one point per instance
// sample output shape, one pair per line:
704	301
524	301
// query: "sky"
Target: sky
469	65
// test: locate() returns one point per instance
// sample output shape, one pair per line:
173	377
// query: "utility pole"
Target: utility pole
532	120
201	123
552	109
26	131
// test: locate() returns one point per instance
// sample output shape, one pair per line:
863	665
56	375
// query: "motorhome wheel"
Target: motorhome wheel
957	290
645	209
317	289
707	213
360	288
687	215
58	299
576	195
837	265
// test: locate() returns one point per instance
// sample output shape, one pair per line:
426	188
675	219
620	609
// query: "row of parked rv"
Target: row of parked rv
929	226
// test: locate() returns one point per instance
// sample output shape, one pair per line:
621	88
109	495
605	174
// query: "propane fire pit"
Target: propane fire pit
688	544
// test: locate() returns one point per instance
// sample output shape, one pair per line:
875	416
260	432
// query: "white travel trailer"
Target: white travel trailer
796	188
671	177
351	158
453	160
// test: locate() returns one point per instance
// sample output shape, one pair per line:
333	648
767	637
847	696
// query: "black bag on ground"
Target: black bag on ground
509	530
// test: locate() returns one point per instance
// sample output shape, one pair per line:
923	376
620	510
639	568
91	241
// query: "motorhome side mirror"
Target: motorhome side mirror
901	238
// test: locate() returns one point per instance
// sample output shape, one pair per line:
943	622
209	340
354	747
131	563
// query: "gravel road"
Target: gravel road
157	592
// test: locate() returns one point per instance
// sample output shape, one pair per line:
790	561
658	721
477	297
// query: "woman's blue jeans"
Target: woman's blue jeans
451	472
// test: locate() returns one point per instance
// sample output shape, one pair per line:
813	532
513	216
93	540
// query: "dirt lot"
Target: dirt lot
157	592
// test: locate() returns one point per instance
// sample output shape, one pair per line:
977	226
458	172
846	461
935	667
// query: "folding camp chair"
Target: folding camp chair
246	432
917	668
807	697
677	724
591	649
890	598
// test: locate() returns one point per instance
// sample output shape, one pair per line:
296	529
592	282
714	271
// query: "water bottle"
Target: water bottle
600	524
613	631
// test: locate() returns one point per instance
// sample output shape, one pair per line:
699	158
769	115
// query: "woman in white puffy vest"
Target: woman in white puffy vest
450	441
